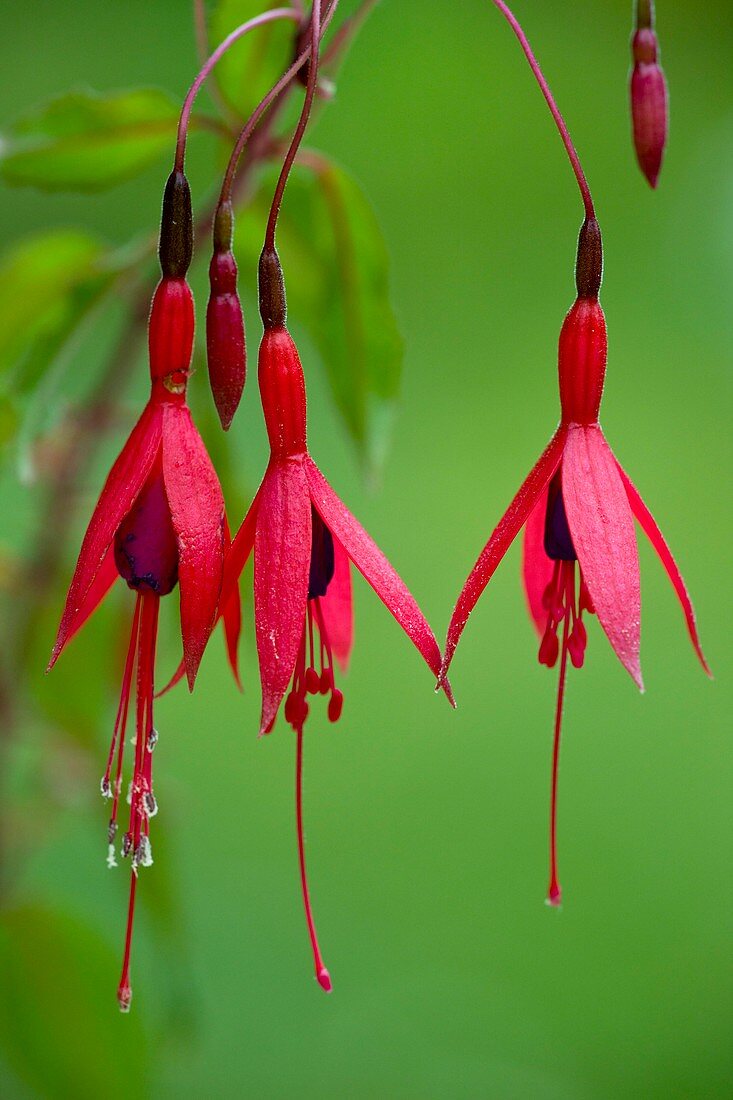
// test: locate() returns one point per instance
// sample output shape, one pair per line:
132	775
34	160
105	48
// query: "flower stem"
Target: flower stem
554	109
324	978
239	32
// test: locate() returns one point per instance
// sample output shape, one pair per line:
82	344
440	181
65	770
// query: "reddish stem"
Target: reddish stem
262	106
310	91
554	109
239	32
324	978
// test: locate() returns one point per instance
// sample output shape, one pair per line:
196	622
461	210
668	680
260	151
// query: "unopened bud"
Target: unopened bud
273	308
225	343
649	111
176	227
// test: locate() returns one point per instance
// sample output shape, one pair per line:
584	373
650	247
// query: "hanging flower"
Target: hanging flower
159	522
304	541
578	506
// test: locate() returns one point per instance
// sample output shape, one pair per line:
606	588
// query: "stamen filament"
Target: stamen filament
554	893
322	974
147	637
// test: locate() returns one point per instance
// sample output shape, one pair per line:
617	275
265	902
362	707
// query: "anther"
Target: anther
152	739
105	787
126	845
576	644
111	831
149	804
143	855
335	705
549	647
312	681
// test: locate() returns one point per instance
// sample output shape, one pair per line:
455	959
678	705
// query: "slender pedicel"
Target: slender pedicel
266	102
251	24
555	111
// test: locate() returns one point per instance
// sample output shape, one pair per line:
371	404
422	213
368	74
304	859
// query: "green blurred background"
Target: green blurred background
426	829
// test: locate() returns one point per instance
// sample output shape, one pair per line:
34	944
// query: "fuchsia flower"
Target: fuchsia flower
578	508
304	539
159	521
649	112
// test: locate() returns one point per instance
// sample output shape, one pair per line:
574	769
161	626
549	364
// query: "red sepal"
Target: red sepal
503	536
337	607
197	511
536	566
124	482
282	562
374	567
602	529
649	527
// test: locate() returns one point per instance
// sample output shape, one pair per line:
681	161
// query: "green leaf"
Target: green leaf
47	284
60	1028
85	141
337	273
249	69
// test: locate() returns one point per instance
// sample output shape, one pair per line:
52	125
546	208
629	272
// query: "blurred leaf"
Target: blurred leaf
249	69
47	284
337	272
85	141
60	1026
9	420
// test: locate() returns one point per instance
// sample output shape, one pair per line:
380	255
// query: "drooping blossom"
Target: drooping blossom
649	107
304	541
577	506
159	522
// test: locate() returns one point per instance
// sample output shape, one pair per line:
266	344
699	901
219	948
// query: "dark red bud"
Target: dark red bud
176	227
170	336
146	549
649	110
225	342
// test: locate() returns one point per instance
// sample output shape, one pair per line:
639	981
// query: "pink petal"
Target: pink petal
232	615
602	529
197	511
124	482
503	536
282	562
648	525
536	566
374	567
337	607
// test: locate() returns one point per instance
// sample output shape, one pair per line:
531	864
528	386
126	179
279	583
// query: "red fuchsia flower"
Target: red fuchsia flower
159	521
577	506
649	109
304	539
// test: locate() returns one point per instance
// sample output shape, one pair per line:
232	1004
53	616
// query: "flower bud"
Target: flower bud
648	96
225	344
